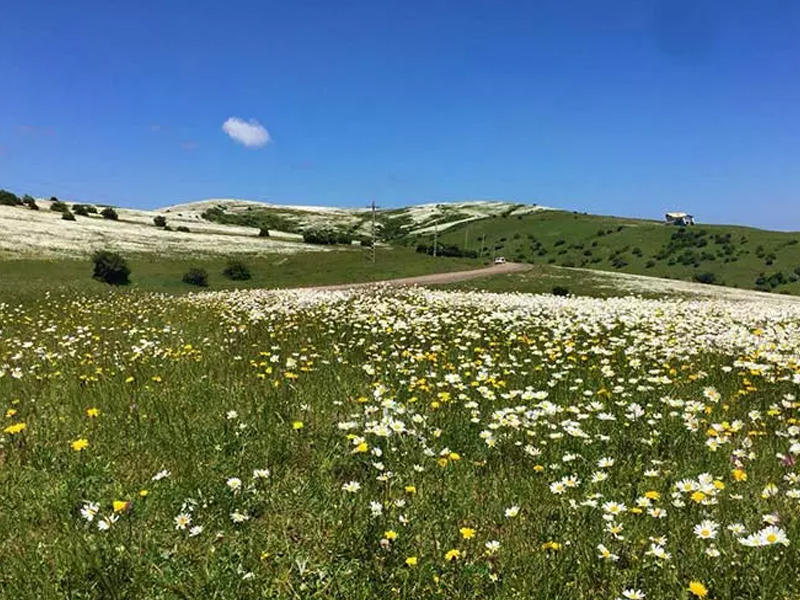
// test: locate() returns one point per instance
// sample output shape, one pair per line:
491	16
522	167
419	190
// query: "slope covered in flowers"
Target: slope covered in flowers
407	444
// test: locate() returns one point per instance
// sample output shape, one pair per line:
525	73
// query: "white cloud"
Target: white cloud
250	133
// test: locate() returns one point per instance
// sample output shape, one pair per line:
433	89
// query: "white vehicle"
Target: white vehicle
500	260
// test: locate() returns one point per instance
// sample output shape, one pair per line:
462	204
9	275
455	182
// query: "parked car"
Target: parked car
500	260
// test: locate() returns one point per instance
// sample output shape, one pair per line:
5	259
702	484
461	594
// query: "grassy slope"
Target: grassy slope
524	238
153	273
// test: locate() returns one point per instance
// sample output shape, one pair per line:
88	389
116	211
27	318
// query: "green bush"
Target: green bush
160	221
81	209
30	202
263	232
110	267
237	271
708	277
560	290
109	213
182	229
9	199
67	216
198	277
59	206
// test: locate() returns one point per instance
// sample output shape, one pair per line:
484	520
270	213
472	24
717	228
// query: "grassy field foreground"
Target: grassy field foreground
409	444
151	272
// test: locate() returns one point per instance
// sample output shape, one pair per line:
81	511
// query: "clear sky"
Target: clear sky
625	107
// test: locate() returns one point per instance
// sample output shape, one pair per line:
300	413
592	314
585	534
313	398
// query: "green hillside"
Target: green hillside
722	254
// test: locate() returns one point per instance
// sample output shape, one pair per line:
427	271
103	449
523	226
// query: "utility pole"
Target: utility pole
435	236
372	245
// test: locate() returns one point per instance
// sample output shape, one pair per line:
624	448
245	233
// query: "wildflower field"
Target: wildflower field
398	444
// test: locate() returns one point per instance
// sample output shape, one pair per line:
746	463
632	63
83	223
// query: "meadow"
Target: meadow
397	444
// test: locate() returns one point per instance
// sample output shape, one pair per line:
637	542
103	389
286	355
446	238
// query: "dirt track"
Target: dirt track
434	278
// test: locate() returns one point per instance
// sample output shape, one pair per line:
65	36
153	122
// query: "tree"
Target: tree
9	199
263	232
160	221
195	276
110	267
81	209
237	271
109	213
30	202
67	216
58	206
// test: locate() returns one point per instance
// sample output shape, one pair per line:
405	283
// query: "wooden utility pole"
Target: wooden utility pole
372	245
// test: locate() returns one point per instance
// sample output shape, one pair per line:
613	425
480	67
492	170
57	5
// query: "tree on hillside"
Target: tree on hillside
109	213
9	199
160	221
110	267
30	202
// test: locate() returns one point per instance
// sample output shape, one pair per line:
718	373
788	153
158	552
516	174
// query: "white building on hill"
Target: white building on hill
678	218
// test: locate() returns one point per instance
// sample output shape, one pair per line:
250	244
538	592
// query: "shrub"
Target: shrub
160	221
650	264
30	202
110	267
67	216
59	206
619	262
237	271
707	277
198	277
560	290
109	213
182	229
263	232
81	209
9	199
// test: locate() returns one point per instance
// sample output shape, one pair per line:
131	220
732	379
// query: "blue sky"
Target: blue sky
630	107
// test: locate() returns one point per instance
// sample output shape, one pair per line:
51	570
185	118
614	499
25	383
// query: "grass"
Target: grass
736	256
399	445
160	274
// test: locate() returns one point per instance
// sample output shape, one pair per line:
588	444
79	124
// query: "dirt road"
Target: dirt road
434	278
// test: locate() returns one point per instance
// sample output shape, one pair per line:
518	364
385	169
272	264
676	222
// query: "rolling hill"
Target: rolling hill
733	256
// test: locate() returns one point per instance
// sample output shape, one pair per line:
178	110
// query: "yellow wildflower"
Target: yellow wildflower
467	532
297	425
120	505
79	444
92	412
698	589
411	561
453	554
15	428
390	535
739	475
